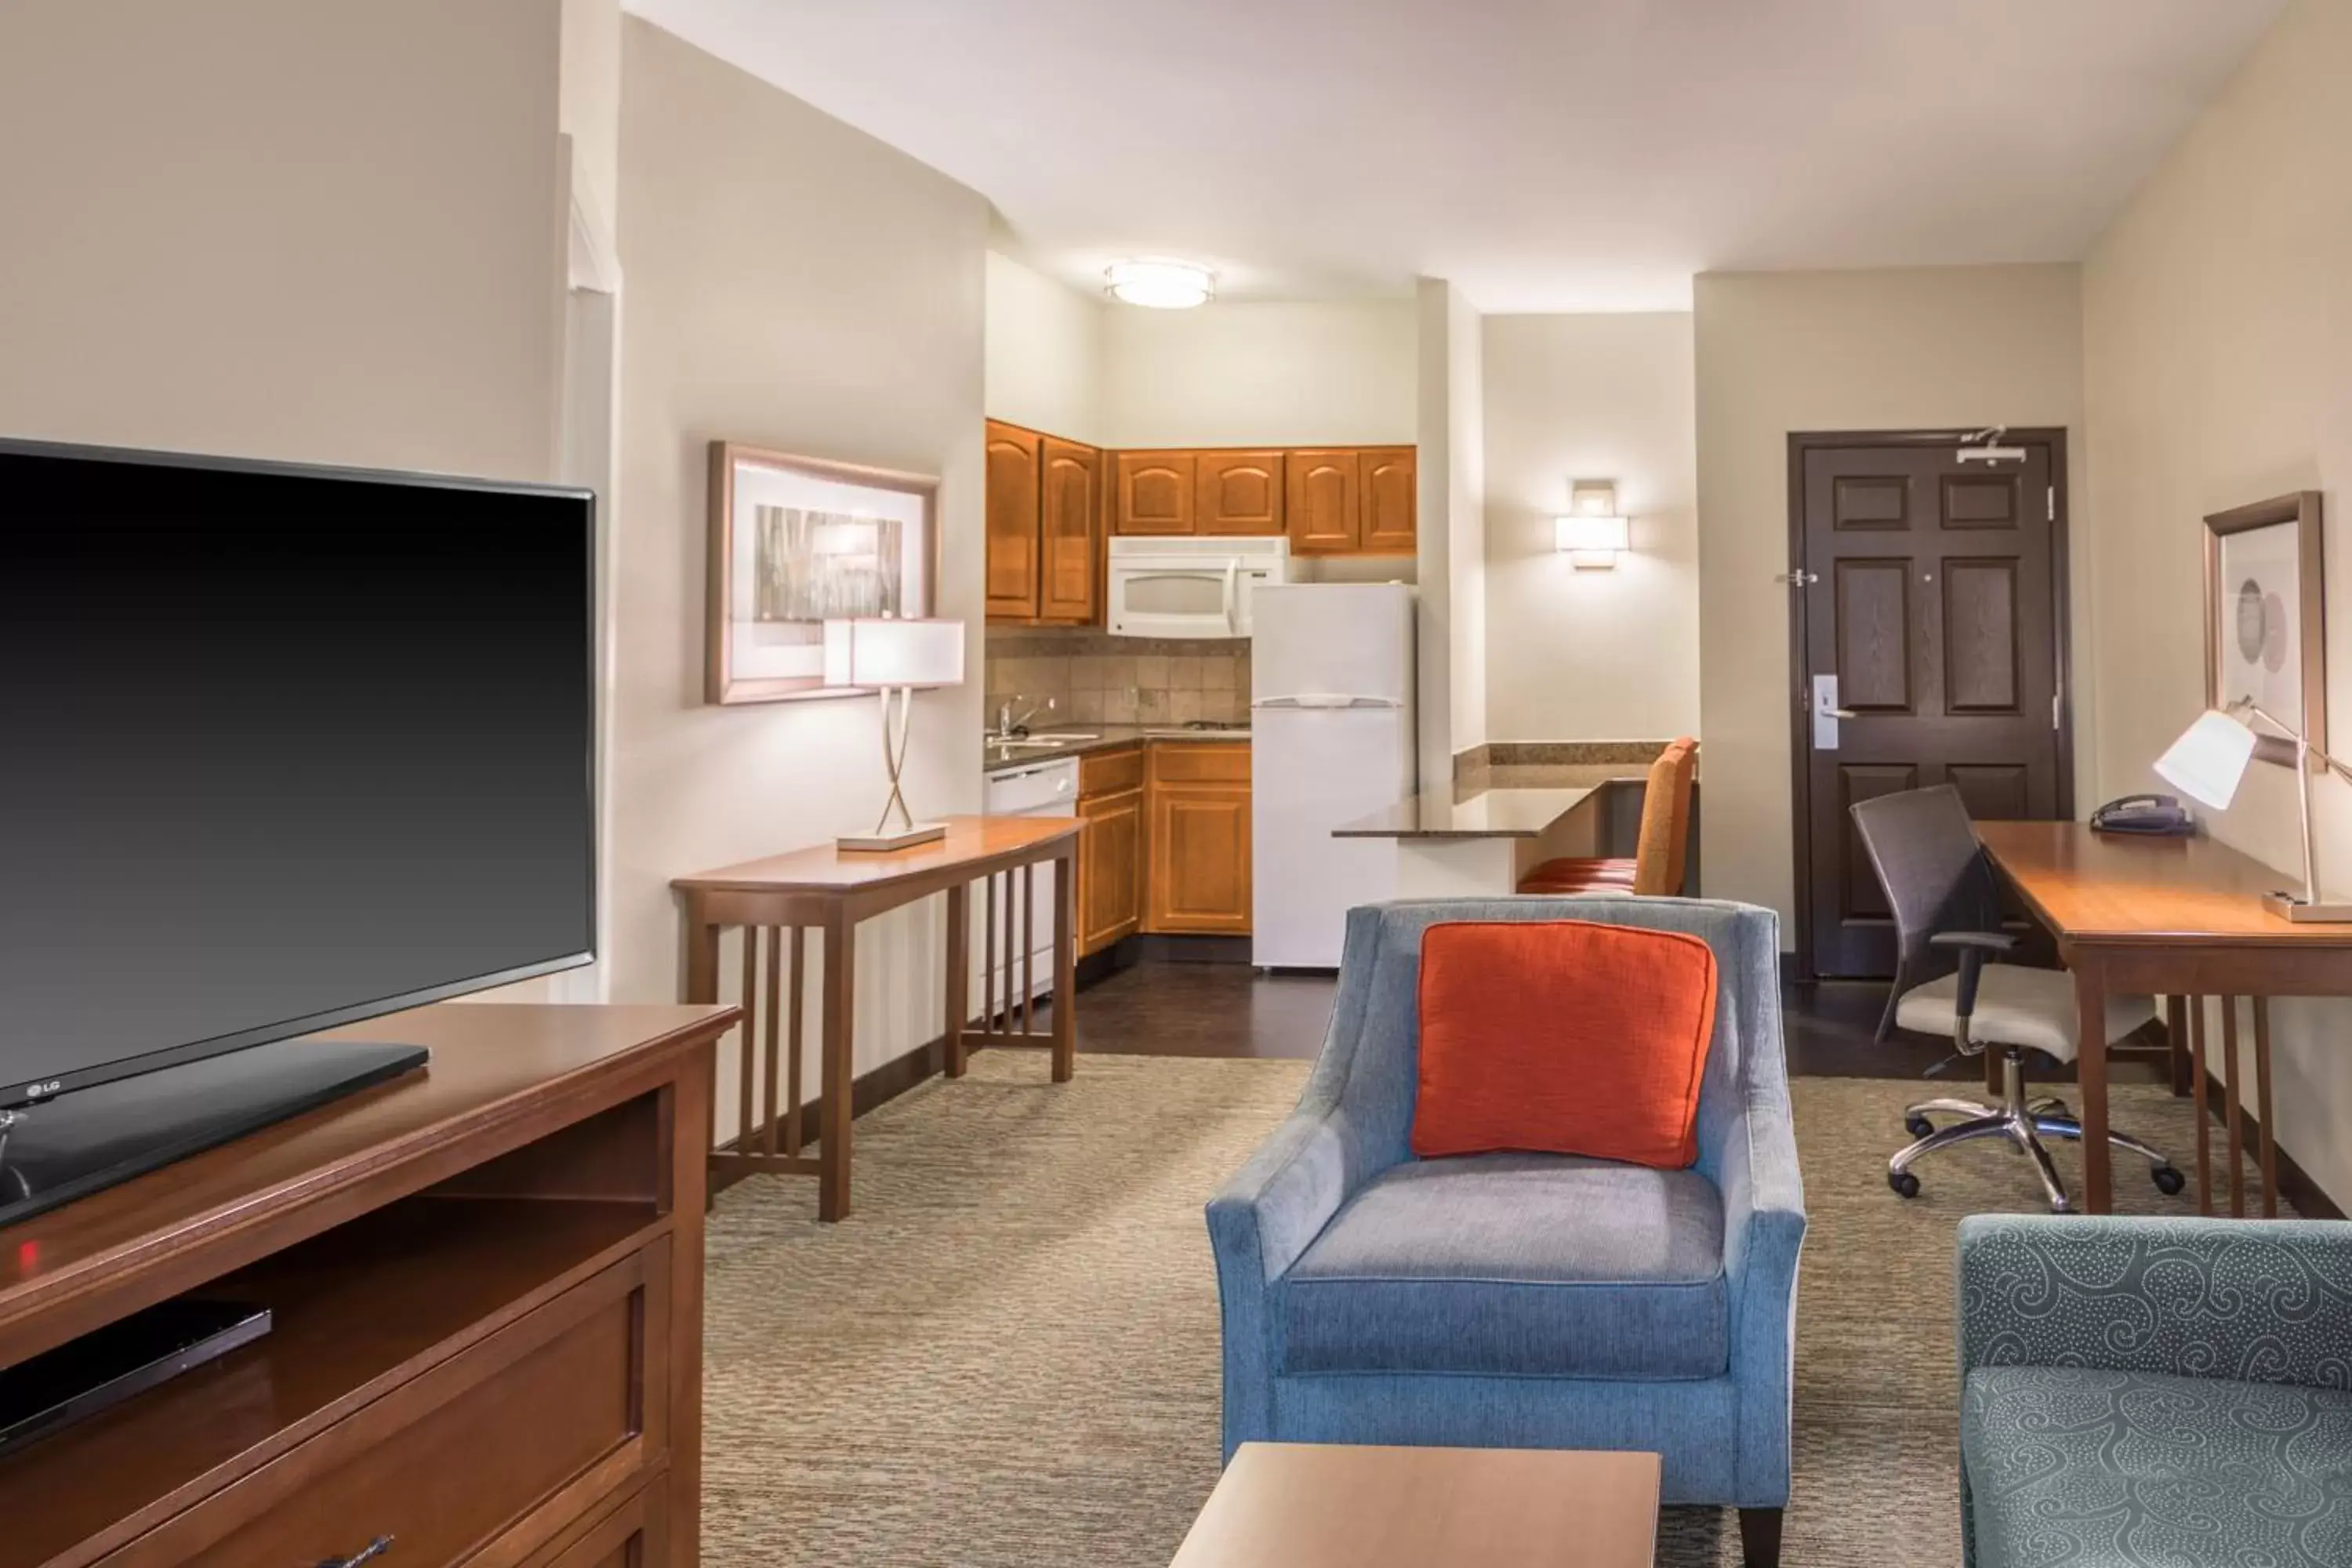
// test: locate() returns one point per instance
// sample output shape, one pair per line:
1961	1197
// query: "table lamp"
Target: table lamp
894	657
2209	759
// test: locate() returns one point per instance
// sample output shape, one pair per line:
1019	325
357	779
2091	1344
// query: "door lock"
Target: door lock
1826	714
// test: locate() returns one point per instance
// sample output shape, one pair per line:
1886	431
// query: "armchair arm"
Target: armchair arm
1259	1225
2200	1298
1763	1232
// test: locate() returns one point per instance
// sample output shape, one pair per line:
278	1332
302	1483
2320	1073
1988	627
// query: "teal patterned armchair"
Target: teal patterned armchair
2156	1393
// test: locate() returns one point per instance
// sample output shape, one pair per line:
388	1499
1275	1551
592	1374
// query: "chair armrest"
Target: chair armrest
1259	1225
1982	941
1974	947
1763	1233
2269	1302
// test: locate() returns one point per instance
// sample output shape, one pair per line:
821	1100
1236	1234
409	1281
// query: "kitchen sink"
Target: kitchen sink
1041	743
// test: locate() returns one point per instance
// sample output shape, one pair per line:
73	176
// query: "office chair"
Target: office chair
1950	980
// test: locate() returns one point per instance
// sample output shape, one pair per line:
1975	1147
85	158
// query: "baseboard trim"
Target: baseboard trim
2295	1183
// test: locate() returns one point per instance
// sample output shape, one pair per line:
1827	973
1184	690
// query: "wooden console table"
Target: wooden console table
486	1284
831	891
2168	917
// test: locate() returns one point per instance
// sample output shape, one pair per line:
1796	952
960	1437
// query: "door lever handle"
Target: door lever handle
1841	713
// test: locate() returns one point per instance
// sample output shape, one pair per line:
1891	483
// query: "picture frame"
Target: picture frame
797	540
2265	612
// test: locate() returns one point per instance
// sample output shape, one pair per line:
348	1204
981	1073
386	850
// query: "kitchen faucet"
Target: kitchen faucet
1009	726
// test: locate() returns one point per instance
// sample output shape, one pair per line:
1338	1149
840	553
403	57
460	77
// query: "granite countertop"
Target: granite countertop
1100	738
1487	814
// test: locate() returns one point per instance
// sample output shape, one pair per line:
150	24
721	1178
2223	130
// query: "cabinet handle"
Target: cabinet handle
368	1553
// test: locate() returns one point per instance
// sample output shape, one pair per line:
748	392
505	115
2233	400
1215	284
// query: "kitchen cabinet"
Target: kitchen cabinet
1237	492
1016	489
1326	502
1156	492
1110	848
1044	529
1197	839
1389	487
1066	532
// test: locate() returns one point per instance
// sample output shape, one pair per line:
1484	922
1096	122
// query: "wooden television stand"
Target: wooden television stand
487	1278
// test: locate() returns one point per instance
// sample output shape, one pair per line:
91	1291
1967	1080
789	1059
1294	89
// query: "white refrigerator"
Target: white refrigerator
1331	739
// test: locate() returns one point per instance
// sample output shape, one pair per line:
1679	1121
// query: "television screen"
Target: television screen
280	749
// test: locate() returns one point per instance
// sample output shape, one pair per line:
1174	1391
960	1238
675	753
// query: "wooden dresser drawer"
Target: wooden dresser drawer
1110	773
1200	761
485	1459
633	1535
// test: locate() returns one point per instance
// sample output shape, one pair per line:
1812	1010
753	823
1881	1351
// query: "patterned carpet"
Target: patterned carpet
1008	1357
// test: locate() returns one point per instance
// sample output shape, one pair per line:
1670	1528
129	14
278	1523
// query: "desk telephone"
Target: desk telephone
2159	814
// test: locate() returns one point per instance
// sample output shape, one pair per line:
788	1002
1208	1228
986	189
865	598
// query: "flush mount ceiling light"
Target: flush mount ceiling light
1162	285
1592	531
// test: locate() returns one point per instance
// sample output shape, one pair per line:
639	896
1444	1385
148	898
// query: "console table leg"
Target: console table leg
2263	1106
2204	1113
959	974
1065	967
2232	1089
840	1011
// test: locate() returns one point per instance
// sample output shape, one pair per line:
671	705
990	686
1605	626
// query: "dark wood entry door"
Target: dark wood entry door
1933	619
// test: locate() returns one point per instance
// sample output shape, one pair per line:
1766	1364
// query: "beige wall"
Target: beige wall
2219	346
1045	364
276	228
792	283
1930	348
1231	374
1589	655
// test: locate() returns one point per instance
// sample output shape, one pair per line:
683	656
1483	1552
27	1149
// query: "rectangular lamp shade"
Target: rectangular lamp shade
884	652
2207	760
1578	530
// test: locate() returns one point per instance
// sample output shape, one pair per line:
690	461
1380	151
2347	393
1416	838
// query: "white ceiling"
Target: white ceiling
1544	154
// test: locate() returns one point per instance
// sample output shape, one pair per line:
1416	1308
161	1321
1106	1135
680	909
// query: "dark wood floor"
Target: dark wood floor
1188	1009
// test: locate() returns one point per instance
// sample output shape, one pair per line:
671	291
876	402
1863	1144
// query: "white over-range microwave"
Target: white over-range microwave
1190	587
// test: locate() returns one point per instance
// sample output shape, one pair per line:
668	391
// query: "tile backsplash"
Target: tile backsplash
1094	677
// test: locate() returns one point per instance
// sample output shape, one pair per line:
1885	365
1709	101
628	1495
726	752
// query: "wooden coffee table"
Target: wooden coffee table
1329	1505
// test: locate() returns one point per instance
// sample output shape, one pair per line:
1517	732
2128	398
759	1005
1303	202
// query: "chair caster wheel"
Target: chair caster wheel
2168	1181
1904	1183
1918	1126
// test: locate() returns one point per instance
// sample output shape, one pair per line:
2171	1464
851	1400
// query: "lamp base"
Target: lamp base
2288	907
921	833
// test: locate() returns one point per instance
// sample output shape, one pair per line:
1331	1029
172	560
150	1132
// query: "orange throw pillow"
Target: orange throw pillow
1564	1037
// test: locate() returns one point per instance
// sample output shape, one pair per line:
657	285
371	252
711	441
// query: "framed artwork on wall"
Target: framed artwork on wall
2265	612
796	542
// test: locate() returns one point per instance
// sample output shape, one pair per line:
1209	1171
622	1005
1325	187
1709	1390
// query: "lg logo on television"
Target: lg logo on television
38	1091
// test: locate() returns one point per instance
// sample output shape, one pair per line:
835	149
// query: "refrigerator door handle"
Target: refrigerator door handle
1326	700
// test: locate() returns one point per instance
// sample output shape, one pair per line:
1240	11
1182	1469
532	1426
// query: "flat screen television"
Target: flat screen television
281	749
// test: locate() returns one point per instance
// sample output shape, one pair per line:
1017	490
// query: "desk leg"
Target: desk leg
1065	966
840	1013
702	985
2175	1037
959	974
2090	1014
2263	1106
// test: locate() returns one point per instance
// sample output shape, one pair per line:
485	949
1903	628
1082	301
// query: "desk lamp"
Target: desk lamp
2209	759
894	657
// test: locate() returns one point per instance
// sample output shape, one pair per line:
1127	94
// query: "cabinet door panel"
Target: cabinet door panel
1325	501
1391	500
1200	860
1238	492
1015	479
1065	585
1155	492
1110	868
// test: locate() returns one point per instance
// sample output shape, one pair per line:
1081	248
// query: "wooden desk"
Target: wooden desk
487	1282
2169	916
829	890
1335	1505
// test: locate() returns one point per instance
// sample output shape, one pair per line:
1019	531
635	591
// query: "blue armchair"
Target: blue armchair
2138	1392
1522	1300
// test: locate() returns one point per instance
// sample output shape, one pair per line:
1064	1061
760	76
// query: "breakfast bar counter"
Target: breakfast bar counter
1479	842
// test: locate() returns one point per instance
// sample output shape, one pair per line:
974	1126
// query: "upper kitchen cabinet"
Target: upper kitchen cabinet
1390	491
1015	486
1237	492
1045	504
1067	533
1326	502
1156	492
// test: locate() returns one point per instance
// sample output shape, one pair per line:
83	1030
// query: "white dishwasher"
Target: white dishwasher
1047	788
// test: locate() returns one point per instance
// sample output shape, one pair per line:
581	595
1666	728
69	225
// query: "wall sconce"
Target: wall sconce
1592	531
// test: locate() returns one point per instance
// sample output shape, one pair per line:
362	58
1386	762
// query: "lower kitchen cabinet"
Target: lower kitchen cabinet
1110	848
1197	880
